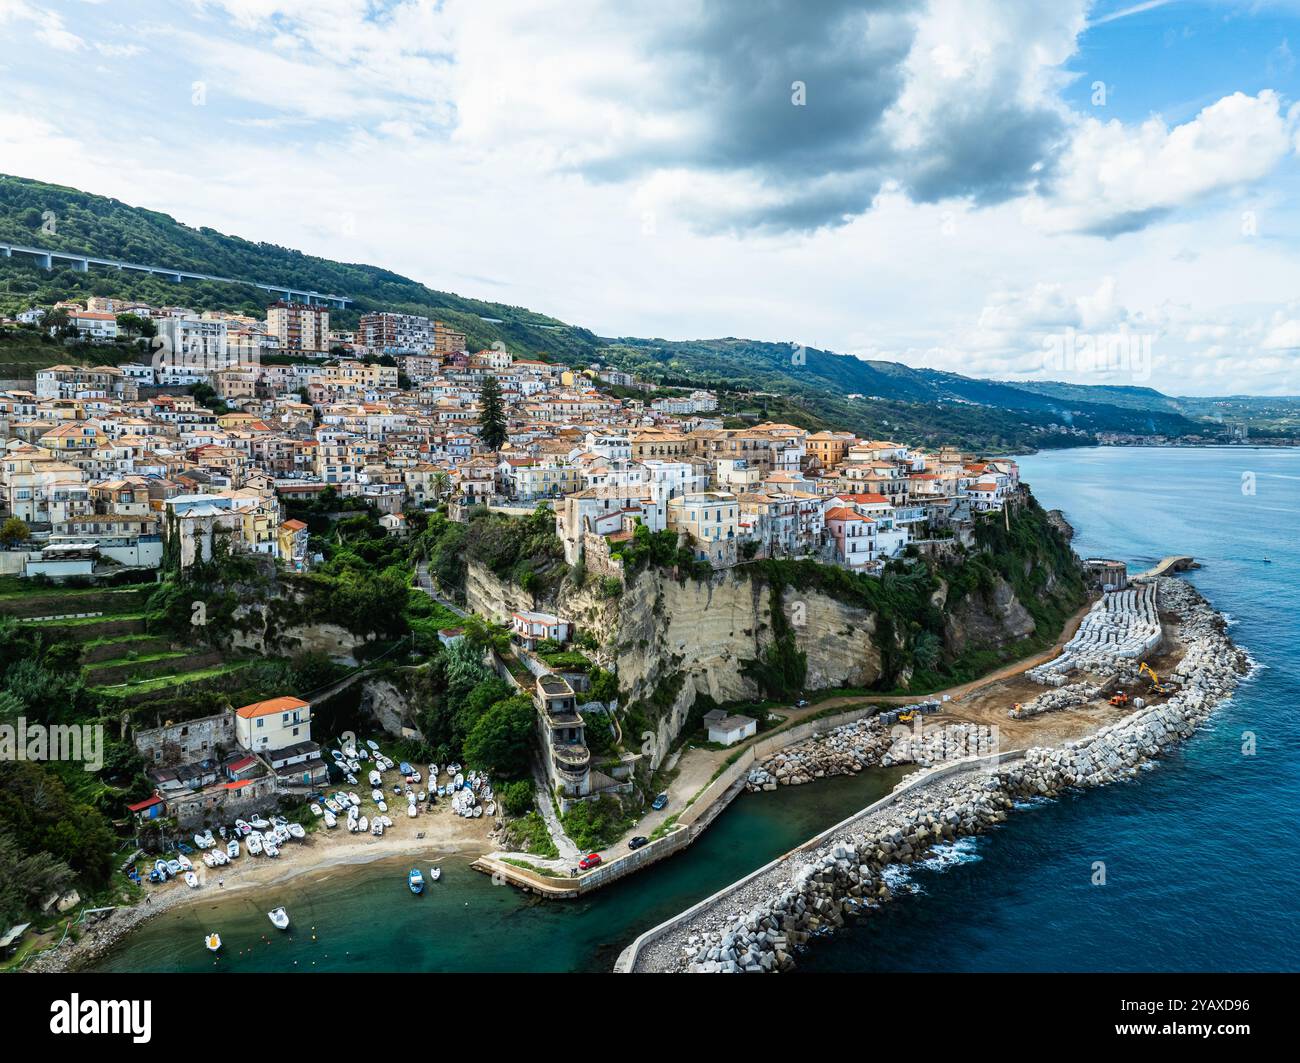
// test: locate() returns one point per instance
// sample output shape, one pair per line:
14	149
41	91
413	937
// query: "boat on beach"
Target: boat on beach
279	918
331	821
296	830
316	810
254	843
259	823
232	849
191	880
376	780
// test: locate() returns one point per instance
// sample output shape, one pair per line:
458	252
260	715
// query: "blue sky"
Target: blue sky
949	191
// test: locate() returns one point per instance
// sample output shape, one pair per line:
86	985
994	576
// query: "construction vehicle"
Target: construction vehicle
906	717
1156	685
1119	700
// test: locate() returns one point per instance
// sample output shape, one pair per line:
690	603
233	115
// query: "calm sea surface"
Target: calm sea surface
1200	853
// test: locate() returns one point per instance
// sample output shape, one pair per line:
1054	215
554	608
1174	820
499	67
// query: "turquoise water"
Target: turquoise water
365	919
1199	852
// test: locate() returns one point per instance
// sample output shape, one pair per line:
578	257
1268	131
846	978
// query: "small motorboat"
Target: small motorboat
232	849
213	941
382	805
254	843
377	828
415	880
222	831
387	822
433	772
491	808
354	800
219	858
208	840
376	795
244	828
397	789
198	840
405	768
332	806
363	824
410	810
478	812
184	862
259	823
296	830
421	796
209	859
331	821
350	779
316	810
270	848
337	754
459	780
191	880
435	873
279	918
376	780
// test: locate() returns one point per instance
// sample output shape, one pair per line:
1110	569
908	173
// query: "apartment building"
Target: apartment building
299	326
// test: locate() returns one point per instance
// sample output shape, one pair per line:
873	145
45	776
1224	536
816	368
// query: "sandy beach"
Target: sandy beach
433	833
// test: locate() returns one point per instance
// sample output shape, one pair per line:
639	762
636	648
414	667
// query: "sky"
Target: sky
1100	192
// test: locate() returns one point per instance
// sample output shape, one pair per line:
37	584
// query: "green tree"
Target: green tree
492	415
14	530
501	741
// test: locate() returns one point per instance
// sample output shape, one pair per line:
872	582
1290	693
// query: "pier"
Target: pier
1166	565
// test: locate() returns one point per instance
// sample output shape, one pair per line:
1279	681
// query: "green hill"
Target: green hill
806	386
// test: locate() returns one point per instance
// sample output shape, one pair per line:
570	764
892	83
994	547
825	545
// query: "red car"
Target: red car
589	861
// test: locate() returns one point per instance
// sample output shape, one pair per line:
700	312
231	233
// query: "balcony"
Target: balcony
571	759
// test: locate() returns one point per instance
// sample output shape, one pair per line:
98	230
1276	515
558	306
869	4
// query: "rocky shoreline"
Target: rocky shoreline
758	926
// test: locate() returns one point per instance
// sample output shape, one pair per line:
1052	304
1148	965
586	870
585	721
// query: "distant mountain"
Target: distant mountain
811	387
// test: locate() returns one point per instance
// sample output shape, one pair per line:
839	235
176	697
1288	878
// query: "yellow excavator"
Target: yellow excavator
1156	685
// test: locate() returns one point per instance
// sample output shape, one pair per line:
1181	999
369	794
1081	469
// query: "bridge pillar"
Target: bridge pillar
9	252
81	265
46	261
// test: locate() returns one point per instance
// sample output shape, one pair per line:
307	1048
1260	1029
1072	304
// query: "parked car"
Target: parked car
802	703
661	801
637	842
589	861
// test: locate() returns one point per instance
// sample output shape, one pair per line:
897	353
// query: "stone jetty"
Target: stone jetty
759	925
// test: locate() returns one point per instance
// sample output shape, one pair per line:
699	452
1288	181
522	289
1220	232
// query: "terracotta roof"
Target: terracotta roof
270	707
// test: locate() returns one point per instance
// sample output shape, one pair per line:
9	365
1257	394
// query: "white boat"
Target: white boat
382	805
459	780
208	840
376	795
296	830
354	799
478	812
213	941
259	823
191	880
254	843
372	744
410	810
209	859
352	825
332	806
491	808
331	821
316	810
387	822
435	873
350	779
281	835
354	765
336	754
376	780
363	824
184	861
198	841
232	849
270	848
421	796
279	918
433	772
377	828
243	827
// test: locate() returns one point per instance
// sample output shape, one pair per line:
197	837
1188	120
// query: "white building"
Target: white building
273	724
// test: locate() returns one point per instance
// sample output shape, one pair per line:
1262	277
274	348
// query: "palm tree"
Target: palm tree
441	485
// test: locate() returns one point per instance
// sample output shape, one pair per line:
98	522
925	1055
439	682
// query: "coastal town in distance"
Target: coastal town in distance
357	624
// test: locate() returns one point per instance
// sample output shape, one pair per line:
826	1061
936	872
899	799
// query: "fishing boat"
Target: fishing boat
279	918
213	941
184	862
296	830
435	873
376	780
254	843
219	858
191	880
332	806
363	824
316	810
232	849
415	880
372	744
331	821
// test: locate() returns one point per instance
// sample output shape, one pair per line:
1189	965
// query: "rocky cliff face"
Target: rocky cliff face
674	640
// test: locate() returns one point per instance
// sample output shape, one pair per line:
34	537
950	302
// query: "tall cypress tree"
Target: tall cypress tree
492	417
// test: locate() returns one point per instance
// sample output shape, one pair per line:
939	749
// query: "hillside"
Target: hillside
806	386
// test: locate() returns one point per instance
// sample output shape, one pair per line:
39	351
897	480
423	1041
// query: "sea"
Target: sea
1189	867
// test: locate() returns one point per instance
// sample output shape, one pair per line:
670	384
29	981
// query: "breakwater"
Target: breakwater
758	924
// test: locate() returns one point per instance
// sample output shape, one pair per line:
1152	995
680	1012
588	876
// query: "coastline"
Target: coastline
757	924
319	852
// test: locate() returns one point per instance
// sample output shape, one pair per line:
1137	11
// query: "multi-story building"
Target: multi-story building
385	333
191	344
299	326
